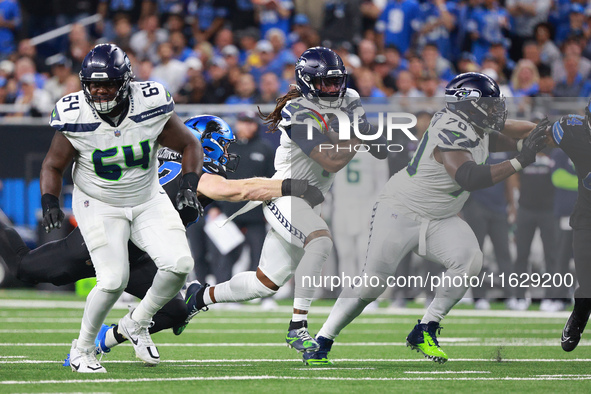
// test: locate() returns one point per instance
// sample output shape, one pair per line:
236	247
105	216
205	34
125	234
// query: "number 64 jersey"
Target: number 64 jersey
116	164
424	186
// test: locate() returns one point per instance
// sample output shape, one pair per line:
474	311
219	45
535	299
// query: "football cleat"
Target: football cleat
301	340
99	342
571	334
423	338
194	301
84	360
320	356
137	333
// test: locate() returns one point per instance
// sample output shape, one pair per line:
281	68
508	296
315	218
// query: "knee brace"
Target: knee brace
242	287
320	246
184	265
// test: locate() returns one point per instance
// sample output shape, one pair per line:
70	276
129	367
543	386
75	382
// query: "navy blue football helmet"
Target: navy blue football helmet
321	75
109	64
477	99
215	136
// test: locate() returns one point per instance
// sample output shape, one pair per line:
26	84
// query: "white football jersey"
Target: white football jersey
116	164
291	157
424	186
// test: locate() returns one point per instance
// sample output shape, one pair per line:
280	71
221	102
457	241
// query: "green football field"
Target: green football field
243	350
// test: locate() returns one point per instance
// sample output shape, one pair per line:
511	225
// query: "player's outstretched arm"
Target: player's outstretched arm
517	129
60	155
257	189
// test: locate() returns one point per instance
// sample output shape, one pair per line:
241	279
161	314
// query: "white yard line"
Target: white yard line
268	377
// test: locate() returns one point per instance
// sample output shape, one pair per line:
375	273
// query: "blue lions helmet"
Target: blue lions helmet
107	64
321	75
476	98
215	136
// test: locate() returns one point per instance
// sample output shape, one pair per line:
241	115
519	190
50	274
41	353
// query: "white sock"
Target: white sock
110	340
243	286
98	305
206	297
299	317
165	286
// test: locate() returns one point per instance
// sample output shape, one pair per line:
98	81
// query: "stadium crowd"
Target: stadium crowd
243	52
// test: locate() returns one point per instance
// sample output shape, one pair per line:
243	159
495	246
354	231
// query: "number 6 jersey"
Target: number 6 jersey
116	164
425	186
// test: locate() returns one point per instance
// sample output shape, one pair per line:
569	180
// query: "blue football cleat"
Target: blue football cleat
194	302
99	342
66	361
320	356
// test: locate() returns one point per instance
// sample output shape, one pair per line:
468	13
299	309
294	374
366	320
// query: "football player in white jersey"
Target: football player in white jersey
112	130
417	209
299	237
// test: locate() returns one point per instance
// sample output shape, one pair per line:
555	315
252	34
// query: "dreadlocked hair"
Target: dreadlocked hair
274	118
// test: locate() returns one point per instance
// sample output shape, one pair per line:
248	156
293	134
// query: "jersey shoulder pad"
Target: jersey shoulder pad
73	114
167	154
568	123
352	93
151	95
213	167
297	111
453	133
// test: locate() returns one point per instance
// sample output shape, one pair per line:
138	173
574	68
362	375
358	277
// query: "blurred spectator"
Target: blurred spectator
526	15
488	26
385	80
365	81
145	42
218	87
193	91
26	49
209	17
247	41
273	14
135	10
25	66
396	63
231	55
72	84
574	84
245	89
38	100
436	64
524	83
461	36
79	46
299	28
204	51
498	52
264	60
544	101
3	99
223	38
531	51
416	65
256	160
342	21
367	51
144	71
432	92
269	88
576	26
283	55
10	21
395	24
169	71
438	20
406	96
123	30
61	69
242	15
549	52
468	63
572	46
180	50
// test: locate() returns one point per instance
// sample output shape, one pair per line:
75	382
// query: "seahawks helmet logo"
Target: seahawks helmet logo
467	94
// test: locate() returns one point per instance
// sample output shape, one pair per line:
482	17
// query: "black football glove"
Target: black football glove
187	195
302	189
535	142
52	214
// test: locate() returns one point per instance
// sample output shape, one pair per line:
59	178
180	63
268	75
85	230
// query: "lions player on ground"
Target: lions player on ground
417	209
572	134
67	260
299	237
112	130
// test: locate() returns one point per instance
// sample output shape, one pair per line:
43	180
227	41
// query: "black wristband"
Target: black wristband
293	187
49	201
286	187
190	181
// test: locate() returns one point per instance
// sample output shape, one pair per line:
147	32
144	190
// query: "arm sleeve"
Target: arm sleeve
471	176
